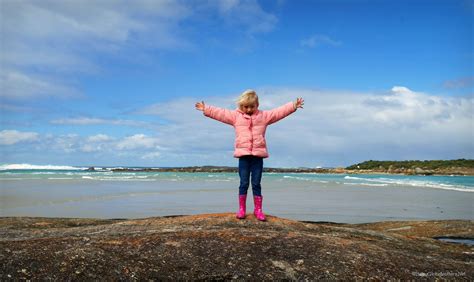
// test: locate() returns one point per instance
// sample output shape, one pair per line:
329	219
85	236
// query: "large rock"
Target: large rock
218	246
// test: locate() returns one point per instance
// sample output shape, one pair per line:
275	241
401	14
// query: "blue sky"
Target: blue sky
114	82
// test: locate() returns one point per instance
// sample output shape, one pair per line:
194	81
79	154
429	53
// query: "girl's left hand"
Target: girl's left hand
299	103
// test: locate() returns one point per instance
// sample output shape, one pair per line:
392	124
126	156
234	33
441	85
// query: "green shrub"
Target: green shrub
428	165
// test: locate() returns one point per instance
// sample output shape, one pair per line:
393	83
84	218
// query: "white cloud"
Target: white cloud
98	23
47	44
97	121
181	108
139	146
137	141
406	108
56	39
317	40
96	143
88	148
11	137
68	143
151	155
247	14
18	85
99	138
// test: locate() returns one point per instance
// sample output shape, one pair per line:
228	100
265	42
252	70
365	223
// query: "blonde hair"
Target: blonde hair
247	97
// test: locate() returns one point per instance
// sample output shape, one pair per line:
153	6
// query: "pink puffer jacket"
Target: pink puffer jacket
249	130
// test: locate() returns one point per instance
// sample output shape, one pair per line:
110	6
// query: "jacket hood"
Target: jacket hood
254	113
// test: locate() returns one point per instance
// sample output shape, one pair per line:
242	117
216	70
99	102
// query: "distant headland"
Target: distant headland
412	167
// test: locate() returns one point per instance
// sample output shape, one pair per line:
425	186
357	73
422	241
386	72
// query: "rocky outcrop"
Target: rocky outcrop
220	247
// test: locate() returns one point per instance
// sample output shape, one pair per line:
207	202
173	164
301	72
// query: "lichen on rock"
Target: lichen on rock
221	247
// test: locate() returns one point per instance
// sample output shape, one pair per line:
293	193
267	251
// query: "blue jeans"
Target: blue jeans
250	165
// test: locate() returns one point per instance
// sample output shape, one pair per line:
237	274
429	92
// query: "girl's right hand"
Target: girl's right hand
200	106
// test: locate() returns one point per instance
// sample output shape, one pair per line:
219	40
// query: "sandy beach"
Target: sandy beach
284	198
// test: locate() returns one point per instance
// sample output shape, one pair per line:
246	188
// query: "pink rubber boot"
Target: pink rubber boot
257	200
242	202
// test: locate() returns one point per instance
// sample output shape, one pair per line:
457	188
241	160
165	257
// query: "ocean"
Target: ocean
70	191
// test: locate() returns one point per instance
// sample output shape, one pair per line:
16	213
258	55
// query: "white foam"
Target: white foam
60	178
117	178
366	184
44	167
298	178
15	178
352	177
310	179
125	179
410	182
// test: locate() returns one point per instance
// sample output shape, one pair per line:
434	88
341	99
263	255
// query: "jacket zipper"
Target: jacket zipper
251	135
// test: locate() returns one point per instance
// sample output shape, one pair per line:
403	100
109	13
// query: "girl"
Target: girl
250	145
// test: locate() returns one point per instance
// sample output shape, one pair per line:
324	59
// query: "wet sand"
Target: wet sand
294	200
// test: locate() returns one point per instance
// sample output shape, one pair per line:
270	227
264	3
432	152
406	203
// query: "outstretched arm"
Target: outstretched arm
220	114
279	113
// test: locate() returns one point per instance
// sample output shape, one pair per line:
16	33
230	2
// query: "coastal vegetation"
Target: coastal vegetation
413	164
413	167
